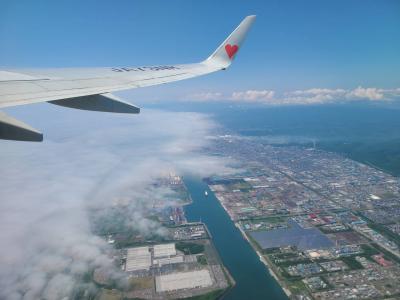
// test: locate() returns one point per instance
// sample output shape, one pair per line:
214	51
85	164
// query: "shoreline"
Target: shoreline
266	263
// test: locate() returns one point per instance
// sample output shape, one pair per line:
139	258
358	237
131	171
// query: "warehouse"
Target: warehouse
138	258
168	260
183	280
164	250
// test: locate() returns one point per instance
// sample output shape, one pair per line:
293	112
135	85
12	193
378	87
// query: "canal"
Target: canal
252	278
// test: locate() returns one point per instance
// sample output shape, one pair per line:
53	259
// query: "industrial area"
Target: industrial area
324	225
173	270
181	262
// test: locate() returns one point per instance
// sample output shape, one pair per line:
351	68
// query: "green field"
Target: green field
190	248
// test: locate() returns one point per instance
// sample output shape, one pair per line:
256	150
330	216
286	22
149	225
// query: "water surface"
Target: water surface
252	278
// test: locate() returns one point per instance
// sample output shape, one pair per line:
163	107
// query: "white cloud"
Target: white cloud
87	161
206	96
312	96
317	91
253	96
323	95
259	96
301	97
366	93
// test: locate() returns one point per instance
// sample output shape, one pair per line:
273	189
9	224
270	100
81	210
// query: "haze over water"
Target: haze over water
362	131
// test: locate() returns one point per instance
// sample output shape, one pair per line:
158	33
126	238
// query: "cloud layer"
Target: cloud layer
300	97
91	162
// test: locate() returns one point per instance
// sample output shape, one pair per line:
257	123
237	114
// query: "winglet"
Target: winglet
226	52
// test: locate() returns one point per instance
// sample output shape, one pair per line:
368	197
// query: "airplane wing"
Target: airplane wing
91	88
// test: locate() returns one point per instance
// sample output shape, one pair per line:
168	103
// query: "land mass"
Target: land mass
326	226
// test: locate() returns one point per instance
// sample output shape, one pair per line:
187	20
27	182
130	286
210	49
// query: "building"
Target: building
164	250
381	260
183	280
168	260
138	258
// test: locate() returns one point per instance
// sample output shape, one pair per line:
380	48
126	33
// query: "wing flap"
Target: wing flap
13	129
104	102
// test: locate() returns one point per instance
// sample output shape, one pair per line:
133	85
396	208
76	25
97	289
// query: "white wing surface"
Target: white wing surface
90	88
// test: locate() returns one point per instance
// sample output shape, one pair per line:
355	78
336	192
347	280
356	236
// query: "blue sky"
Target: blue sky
294	45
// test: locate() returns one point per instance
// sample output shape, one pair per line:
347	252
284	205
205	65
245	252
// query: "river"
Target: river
252	278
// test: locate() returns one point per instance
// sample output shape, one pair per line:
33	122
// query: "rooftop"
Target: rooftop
183	280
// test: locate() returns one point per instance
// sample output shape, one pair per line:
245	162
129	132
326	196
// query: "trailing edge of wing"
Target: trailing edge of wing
102	102
13	129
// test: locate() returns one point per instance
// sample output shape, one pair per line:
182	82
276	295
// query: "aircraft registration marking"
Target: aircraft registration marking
154	68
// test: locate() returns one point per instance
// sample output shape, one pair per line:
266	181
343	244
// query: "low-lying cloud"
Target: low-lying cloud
253	95
300	97
87	161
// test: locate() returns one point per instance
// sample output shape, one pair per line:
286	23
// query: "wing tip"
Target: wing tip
226	52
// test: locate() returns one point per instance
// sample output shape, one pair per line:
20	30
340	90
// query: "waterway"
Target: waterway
252	278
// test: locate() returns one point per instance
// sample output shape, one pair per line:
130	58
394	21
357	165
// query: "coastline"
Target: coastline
265	261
